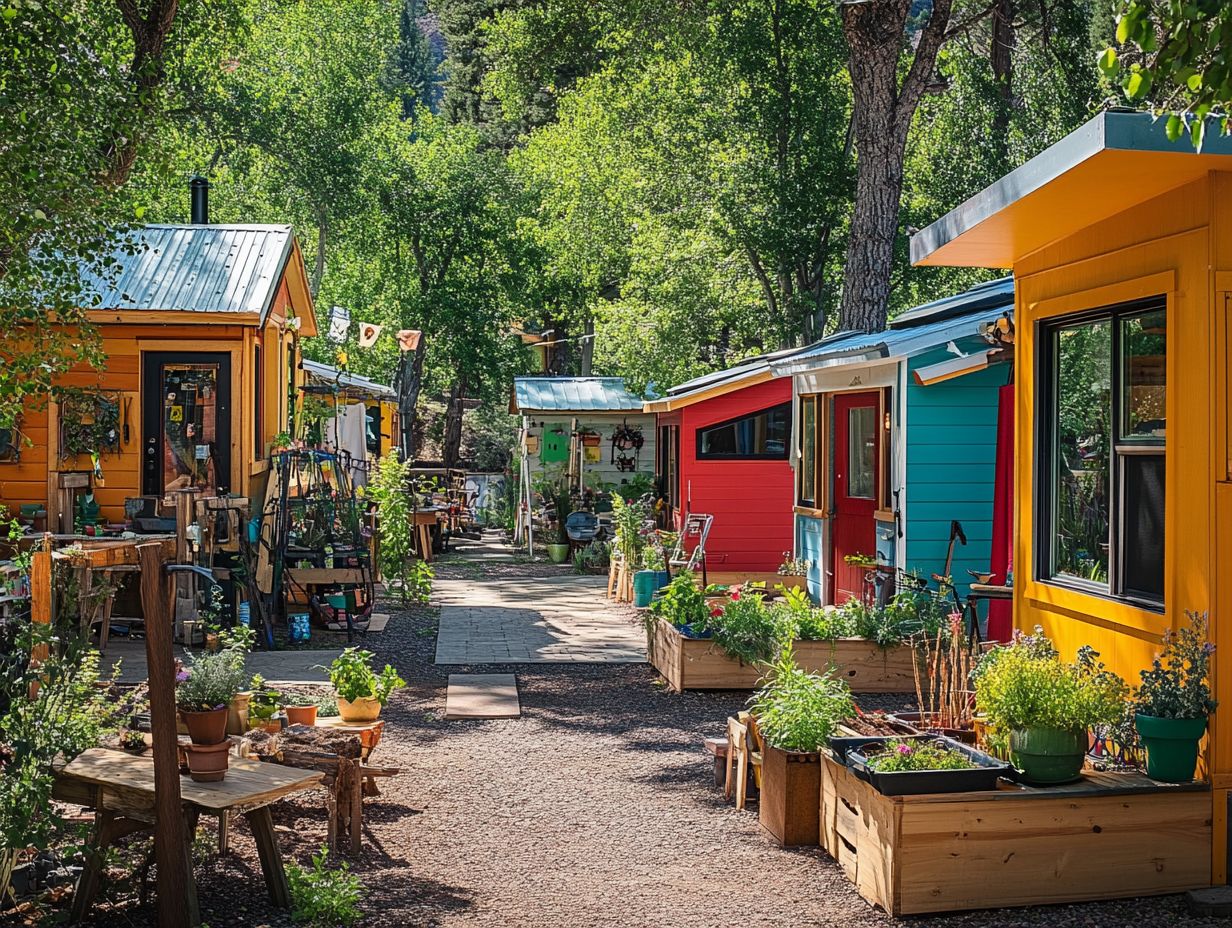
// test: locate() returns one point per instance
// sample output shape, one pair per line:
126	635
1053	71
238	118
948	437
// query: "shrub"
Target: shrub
324	897
392	492
1176	684
748	630
797	710
1026	684
353	678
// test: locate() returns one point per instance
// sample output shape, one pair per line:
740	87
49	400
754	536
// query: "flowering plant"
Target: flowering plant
1176	686
793	566
209	682
897	756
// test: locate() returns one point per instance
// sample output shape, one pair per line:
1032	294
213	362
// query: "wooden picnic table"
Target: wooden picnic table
120	787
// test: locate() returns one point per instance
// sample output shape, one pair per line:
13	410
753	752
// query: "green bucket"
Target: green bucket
1171	746
645	582
1048	756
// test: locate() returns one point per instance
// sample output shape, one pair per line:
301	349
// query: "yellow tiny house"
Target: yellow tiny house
1121	249
200	326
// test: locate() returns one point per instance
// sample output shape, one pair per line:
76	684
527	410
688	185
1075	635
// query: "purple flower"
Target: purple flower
182	676
1209	647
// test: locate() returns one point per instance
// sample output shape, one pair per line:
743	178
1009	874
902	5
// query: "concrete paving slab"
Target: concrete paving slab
275	666
482	696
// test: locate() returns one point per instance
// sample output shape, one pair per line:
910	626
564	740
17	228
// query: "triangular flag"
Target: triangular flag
408	339
339	323
368	333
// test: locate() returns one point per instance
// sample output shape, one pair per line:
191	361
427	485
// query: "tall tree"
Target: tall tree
410	71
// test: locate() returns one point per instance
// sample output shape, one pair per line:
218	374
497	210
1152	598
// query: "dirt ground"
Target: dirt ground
596	807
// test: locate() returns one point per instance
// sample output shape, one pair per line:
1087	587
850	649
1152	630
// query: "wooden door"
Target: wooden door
186	421
857	477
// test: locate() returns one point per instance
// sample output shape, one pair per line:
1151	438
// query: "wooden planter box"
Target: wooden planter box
789	807
1109	836
700	664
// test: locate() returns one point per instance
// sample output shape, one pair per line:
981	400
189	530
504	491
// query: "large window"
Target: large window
764	434
1103	429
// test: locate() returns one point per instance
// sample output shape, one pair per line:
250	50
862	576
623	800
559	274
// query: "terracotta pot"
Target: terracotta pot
272	726
301	715
211	641
207	763
206	727
237	714
363	709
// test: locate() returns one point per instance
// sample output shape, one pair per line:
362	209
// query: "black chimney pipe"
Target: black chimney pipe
199	188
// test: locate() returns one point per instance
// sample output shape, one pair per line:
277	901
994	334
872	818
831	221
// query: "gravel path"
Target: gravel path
593	809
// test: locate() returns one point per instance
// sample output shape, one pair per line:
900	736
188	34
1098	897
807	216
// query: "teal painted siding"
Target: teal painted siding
810	545
951	454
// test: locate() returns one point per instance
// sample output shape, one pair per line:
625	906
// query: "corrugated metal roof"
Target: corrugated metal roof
573	394
330	374
193	268
735	372
993	294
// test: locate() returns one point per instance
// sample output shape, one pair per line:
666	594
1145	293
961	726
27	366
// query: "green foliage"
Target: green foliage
749	631
1175	55
797	710
793	566
391	489
325	897
682	603
1026	684
910	612
899	755
210	681
353	678
630	519
1177	684
264	703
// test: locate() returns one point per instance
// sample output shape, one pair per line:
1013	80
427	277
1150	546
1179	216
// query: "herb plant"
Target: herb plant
793	566
797	710
324	897
682	603
210	681
1176	686
1026	684
748	630
899	755
264	703
353	678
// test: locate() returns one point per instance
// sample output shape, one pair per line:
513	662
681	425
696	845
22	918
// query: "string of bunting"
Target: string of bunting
369	332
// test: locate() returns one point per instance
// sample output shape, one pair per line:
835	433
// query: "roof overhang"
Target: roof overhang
1112	163
701	394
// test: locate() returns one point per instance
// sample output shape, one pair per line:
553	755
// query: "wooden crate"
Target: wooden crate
700	664
790	792
1110	836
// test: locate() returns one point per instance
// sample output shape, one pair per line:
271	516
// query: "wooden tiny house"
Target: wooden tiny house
1121	247
200	328
724	441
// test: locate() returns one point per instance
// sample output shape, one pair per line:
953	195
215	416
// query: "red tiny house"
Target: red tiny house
723	450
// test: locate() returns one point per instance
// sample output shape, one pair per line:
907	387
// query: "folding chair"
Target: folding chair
696	527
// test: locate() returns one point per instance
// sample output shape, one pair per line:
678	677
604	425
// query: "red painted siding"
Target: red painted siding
751	501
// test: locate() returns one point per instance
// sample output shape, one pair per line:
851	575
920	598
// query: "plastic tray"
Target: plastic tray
917	782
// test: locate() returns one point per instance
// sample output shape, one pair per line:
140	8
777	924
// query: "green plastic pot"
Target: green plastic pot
644	587
1048	756
1171	746
558	553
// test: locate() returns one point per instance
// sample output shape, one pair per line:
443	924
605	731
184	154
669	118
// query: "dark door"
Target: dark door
185	421
857	477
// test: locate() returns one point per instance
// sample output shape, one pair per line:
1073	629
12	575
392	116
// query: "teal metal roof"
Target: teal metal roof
192	268
573	394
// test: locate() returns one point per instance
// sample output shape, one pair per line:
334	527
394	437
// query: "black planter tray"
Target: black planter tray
916	782
841	744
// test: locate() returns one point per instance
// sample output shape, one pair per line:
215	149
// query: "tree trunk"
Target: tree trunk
318	269
1000	58
408	383
588	347
882	110
452	444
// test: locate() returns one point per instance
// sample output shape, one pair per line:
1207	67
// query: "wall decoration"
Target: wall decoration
89	422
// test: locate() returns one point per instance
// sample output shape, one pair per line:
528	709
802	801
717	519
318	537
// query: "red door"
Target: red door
857	477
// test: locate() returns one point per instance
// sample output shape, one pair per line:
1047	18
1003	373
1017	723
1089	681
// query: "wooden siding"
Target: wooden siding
751	500
951	455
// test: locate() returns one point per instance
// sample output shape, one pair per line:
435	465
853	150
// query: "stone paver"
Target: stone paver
276	666
557	619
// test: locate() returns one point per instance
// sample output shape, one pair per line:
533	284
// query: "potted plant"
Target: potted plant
300	710
1046	705
203	691
361	691
793	570
796	713
683	606
1173	702
923	764
133	741
650	578
562	502
237	642
263	706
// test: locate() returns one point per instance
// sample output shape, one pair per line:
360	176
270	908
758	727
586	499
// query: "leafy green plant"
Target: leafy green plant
210	681
327	707
1026	684
264	703
749	631
682	603
899	755
629	519
1176	686
353	678
324	897
391	490
797	710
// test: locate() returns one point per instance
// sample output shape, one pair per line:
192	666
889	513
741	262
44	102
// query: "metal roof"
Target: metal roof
354	382
1114	161
909	339
735	372
193	268
573	394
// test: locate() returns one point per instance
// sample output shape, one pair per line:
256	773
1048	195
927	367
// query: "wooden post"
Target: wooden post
175	907
41	595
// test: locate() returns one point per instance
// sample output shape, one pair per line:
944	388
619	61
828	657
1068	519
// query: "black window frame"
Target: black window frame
669	464
720	456
1046	435
808	501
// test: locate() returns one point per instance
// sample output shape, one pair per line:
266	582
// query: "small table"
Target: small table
988	591
120	787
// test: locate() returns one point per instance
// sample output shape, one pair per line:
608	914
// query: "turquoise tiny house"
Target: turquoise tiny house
900	434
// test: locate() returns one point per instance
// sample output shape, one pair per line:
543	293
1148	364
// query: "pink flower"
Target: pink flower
904	749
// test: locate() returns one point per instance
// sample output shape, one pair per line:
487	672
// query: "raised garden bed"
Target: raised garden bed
700	664
1107	836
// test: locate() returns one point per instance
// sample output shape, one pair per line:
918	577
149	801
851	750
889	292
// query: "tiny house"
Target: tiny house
200	325
896	440
1120	243
361	415
724	443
